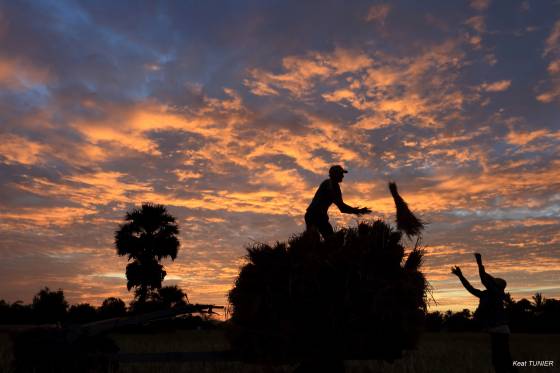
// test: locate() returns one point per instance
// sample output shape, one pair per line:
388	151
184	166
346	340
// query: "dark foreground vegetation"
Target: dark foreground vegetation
435	352
539	315
51	307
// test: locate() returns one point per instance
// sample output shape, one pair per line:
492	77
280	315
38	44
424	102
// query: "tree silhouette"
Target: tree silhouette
82	313
112	307
148	236
172	296
49	306
434	321
538	302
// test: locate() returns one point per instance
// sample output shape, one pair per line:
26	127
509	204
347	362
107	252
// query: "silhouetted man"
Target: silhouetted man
491	313
328	193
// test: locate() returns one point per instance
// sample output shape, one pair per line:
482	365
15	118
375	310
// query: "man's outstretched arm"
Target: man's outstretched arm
485	278
471	289
346	209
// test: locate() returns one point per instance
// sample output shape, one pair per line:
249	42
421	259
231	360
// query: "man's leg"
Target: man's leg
495	344
501	356
308	221
325	228
310	225
319	223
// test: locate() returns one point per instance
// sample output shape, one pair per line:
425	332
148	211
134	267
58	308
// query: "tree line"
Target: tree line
51	307
538	315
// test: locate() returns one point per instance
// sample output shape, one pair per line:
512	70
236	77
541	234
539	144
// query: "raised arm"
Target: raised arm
471	289
485	278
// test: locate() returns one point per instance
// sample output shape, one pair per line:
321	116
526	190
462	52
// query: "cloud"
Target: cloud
17	149
378	13
478	23
548	97
552	51
499	86
421	88
302	73
552	42
298	77
48	216
20	75
88	189
554	67
480	5
524	138
474	37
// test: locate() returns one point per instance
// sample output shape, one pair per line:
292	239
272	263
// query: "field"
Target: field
459	352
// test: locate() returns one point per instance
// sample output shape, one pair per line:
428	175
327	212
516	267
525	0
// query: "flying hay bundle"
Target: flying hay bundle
407	222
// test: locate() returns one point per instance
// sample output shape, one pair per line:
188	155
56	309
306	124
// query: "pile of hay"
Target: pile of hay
353	296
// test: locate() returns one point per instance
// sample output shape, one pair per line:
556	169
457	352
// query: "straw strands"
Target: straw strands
407	222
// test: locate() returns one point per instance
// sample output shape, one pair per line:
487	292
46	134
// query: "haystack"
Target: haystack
353	296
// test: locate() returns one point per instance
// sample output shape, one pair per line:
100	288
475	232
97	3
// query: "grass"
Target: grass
184	340
459	352
5	352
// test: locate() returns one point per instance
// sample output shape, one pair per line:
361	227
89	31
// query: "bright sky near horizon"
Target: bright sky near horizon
231	112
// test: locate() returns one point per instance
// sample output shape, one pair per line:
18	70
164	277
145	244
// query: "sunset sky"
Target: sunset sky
231	112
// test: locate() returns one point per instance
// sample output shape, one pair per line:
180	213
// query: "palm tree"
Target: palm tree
148	236
538	301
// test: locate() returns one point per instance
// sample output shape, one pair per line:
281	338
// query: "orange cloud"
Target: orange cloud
548	97
340	95
187	175
17	149
302	72
402	89
498	86
524	138
87	190
45	216
554	67
552	49
17	74
552	42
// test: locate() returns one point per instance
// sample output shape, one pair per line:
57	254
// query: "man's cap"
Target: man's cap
337	170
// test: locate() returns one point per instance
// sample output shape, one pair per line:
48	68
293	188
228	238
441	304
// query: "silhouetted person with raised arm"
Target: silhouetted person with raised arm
316	217
491	313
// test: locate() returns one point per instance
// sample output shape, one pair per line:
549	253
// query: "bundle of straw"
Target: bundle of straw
351	296
407	222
